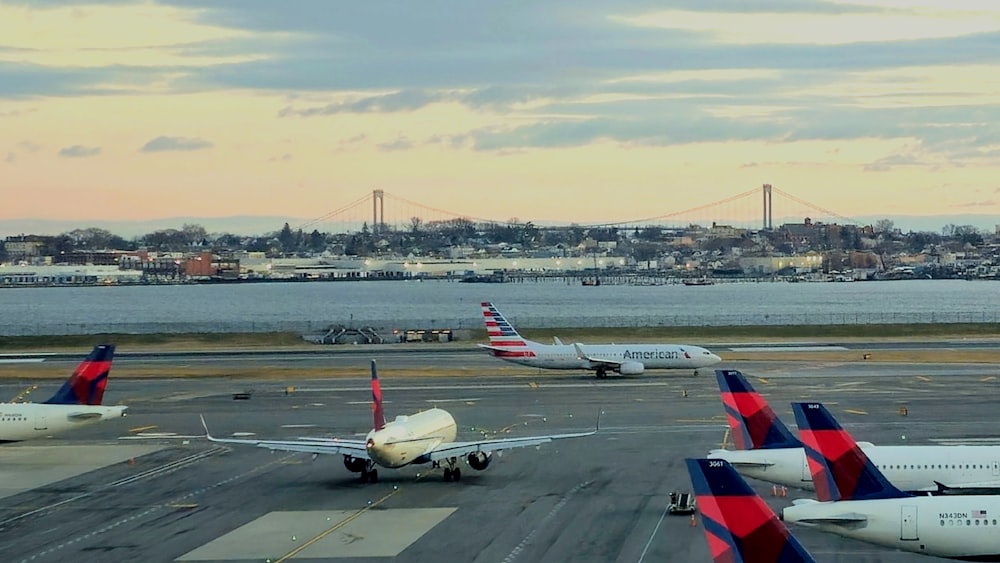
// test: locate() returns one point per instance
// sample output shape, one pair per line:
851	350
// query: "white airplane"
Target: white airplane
77	403
856	501
767	450
626	359
425	437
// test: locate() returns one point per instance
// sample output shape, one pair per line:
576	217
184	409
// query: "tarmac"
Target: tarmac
151	488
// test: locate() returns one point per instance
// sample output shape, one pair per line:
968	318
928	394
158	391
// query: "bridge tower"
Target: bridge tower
768	200
378	210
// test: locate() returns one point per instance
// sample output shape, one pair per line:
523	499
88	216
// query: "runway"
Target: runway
601	498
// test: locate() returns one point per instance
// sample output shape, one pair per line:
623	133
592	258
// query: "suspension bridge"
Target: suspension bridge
755	208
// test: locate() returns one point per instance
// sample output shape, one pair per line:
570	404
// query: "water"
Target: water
310	307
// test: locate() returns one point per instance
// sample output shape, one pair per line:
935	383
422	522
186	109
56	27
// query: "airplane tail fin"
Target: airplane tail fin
504	339
739	526
752	422
378	414
840	469
86	385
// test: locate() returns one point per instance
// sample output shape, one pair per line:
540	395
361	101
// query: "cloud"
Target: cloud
985	203
79	151
405	100
283	158
29	146
11	158
398	144
164	143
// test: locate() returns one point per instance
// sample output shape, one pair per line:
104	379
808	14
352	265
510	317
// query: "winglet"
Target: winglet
840	469
739	526
753	423
378	414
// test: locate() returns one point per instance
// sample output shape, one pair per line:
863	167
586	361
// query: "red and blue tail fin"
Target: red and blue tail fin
840	470
377	412
86	385
752	422
505	342
739	526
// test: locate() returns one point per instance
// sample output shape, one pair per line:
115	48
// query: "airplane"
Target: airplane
77	403
767	450
854	500
739	526
424	437
625	359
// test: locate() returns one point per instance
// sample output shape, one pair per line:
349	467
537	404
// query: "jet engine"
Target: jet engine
631	368
479	460
355	464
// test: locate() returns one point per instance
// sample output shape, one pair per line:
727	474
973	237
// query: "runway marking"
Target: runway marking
153	472
781	348
987	378
656	529
152	509
471	399
854	411
555	510
22	361
335	527
923	378
142	428
298	426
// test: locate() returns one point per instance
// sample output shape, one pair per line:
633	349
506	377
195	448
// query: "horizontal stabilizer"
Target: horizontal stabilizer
841	519
83	415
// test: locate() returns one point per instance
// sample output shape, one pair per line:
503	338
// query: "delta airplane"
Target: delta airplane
855	500
77	403
767	450
626	359
738	525
425	437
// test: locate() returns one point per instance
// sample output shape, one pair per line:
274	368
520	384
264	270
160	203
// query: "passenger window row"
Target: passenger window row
940	466
969	522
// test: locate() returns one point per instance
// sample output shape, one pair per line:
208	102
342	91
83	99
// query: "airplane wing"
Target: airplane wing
328	446
594	360
457	449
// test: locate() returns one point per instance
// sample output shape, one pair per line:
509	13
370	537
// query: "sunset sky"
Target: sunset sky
562	110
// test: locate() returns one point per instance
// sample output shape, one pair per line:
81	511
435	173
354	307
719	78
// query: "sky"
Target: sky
565	110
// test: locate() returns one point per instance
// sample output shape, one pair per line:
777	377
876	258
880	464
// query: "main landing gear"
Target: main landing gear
369	474
602	372
451	472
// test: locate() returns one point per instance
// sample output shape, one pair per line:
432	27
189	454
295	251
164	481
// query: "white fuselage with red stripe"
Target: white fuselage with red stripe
566	356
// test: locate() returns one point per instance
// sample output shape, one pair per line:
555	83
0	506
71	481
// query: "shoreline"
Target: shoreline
687	335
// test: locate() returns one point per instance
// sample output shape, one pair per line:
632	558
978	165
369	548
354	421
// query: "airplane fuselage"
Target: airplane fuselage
407	438
966	527
650	356
909	468
24	421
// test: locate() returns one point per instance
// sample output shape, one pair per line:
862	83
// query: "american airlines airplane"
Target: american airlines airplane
626	359
856	501
767	450
738	525
425	437
77	403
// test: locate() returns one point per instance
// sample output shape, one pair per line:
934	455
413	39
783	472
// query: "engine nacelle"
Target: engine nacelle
631	368
355	464
479	460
